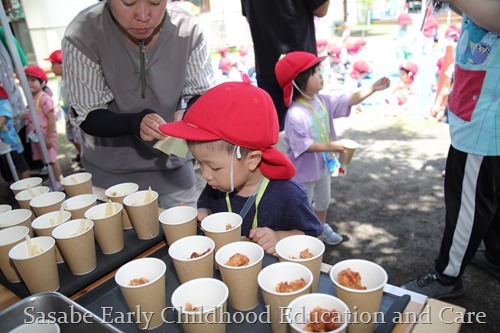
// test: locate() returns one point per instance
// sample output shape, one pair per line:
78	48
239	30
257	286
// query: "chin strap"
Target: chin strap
300	91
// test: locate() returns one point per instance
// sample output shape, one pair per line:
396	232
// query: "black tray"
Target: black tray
108	296
70	284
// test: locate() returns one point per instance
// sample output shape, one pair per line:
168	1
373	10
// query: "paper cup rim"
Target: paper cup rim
306	271
300	299
179	242
91	199
280	243
25	231
60	196
52	243
85	175
9	208
60	226
100	206
259	259
345	263
16	186
350	144
127	198
120	271
212	216
23	328
18	195
189	284
27	214
37	221
171	210
108	190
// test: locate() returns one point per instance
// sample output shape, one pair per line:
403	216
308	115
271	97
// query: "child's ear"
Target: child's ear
253	159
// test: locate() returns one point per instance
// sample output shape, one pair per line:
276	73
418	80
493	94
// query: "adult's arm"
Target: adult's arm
88	97
484	13
322	10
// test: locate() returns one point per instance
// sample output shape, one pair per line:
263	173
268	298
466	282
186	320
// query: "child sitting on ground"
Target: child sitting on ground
9	135
404	91
231	131
309	128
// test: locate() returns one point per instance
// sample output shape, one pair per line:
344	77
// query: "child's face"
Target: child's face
315	82
215	167
404	77
34	84
57	68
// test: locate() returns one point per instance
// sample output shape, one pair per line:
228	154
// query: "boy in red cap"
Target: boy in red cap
231	130
44	105
8	134
309	132
72	132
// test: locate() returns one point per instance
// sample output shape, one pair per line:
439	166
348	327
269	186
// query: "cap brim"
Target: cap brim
276	165
184	130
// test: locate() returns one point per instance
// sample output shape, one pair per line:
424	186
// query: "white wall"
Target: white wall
47	20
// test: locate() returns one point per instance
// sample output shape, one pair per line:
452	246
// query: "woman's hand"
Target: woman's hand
149	128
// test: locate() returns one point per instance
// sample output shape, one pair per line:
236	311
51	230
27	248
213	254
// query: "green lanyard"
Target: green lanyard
321	119
260	193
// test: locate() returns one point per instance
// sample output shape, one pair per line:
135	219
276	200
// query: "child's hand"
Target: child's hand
265	237
337	146
24	116
382	83
48	143
202	213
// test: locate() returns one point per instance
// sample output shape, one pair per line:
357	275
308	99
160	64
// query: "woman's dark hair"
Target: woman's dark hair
301	79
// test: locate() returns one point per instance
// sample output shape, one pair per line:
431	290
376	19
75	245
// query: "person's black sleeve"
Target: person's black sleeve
108	124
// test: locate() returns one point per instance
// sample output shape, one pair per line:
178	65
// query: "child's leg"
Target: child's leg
21	164
57	170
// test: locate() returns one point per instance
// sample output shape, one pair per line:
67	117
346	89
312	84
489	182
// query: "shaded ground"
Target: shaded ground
391	205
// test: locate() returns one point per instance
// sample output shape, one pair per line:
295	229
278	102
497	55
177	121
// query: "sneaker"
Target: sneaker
48	183
431	286
480	260
330	237
39	172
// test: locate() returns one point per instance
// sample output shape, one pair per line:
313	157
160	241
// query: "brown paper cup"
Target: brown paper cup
143	216
269	277
77	184
210	297
108	230
77	245
47	202
178	222
23	184
350	148
45	224
9	238
15	217
117	193
241	281
216	226
301	307
363	304
187	268
5	208
24	197
290	248
151	296
79	204
39	272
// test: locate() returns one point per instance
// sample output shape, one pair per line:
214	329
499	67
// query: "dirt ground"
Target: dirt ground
390	205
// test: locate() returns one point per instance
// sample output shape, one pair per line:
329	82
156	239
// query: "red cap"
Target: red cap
404	18
334	49
3	93
290	66
411	68
223	49
37	72
55	56
361	66
241	114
